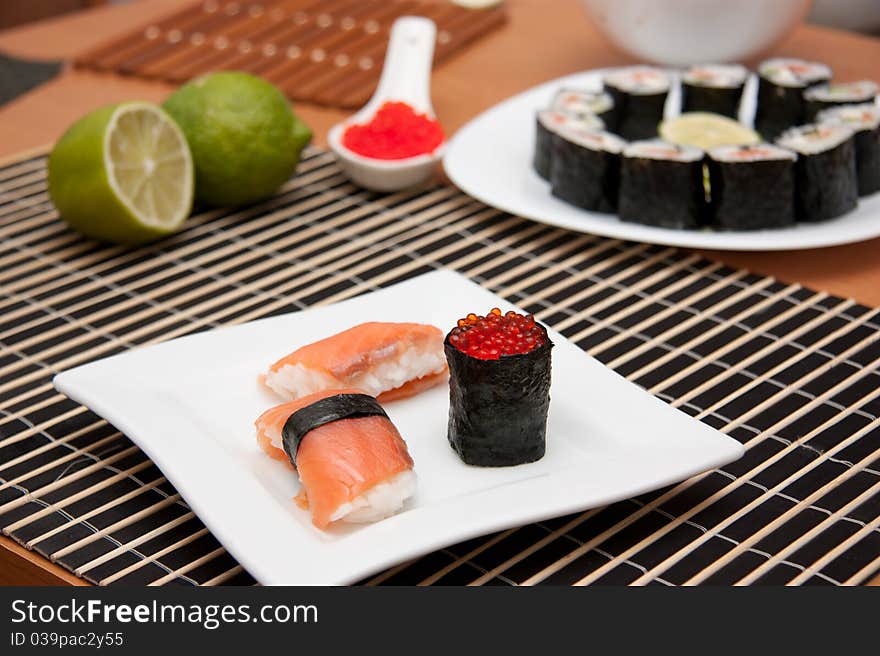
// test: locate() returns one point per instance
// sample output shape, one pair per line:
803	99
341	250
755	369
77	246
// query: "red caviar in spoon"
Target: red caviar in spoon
494	335
396	131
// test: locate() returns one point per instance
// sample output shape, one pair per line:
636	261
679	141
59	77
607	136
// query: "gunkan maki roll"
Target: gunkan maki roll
499	388
826	96
826	184
781	86
752	187
865	120
639	94
713	88
585	103
547	124
661	184
585	168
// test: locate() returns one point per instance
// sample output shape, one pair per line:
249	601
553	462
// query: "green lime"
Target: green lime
245	139
122	174
705	130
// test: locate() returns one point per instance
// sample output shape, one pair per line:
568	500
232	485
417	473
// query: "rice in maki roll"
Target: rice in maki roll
713	88
661	184
826	184
865	120
752	187
499	388
781	86
585	168
639	94
585	103
826	96
547	124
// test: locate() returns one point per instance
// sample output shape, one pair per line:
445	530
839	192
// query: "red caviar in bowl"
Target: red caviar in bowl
494	335
396	131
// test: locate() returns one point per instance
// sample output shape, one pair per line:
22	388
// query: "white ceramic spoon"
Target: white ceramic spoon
406	77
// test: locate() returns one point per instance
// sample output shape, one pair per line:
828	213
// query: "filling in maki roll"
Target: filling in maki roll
548	123
797	73
824	96
713	88
865	120
720	76
585	168
639	95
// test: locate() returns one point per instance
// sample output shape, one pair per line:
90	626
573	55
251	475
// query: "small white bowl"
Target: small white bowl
681	32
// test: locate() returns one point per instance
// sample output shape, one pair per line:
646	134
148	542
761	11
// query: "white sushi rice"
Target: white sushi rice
594	139
813	139
859	117
574	101
380	501
295	381
639	80
662	150
789	72
851	92
554	121
756	153
720	76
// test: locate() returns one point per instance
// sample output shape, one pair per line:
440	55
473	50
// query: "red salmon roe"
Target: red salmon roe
396	131
497	334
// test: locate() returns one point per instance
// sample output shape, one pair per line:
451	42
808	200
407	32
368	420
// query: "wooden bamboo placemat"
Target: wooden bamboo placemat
328	52
790	372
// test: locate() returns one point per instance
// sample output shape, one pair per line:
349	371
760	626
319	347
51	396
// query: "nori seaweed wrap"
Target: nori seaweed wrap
585	169
826	184
639	94
547	124
714	89
752	187
865	120
826	96
662	185
499	389
781	85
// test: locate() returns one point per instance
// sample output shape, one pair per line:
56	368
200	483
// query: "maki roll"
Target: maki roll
639	94
825	96
752	187
826	184
712	88
547	124
781	86
585	103
351	460
661	184
865	120
585	169
499	388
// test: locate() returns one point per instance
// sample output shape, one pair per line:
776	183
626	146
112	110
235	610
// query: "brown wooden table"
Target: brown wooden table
540	42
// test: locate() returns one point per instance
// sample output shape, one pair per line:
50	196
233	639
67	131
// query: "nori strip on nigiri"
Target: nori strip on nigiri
498	407
325	411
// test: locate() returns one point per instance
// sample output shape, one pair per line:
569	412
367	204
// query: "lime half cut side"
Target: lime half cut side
705	130
149	165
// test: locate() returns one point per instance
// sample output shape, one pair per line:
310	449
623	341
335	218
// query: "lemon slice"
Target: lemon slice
705	130
123	174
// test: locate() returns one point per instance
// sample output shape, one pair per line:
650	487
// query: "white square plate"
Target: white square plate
190	404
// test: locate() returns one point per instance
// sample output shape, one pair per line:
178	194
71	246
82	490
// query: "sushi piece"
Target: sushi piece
781	86
585	168
661	184
752	187
585	103
639	95
351	460
713	88
865	120
826	184
826	96
499	388
547	124
387	360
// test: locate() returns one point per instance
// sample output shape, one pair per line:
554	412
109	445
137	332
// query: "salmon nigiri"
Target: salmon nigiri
386	360
352	462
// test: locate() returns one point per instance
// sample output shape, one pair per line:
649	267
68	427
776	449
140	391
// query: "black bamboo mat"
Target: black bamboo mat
790	372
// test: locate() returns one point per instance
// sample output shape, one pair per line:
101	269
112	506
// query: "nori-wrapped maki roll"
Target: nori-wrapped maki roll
661	184
585	169
781	85
499	388
752	187
865	120
585	103
547	124
826	184
713	88
826	96
639	94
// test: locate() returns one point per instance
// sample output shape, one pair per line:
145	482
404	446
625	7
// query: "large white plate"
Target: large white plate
490	159
190	405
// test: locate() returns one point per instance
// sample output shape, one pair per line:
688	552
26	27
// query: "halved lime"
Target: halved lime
705	130
123	174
